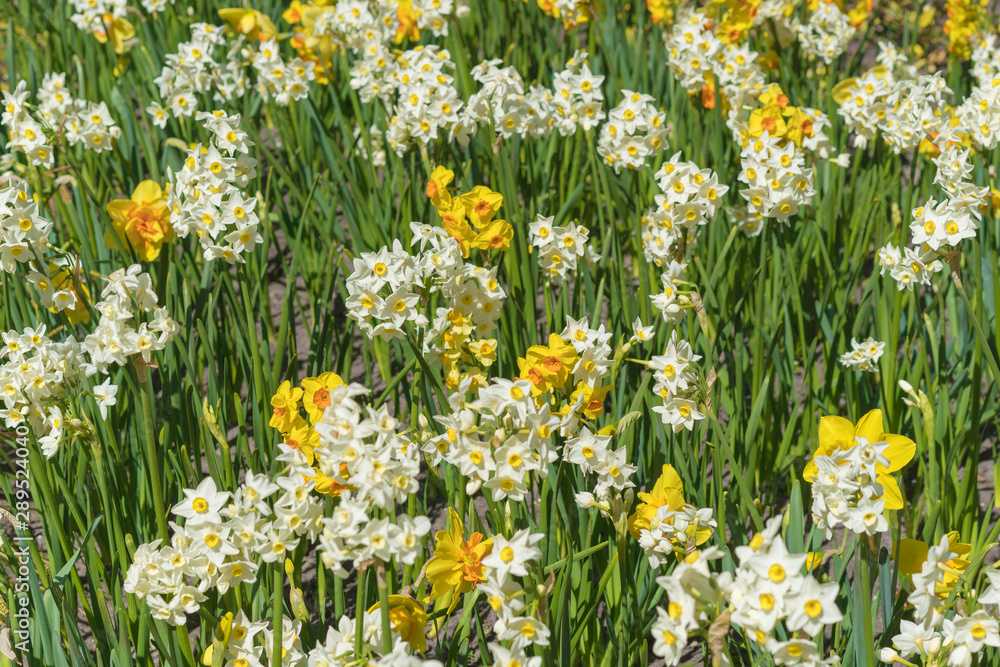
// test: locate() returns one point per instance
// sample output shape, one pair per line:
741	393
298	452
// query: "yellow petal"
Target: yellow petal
231	15
121	30
456	528
149	253
124	28
669	489
911	555
835	433
111	240
893	496
870	427
900	451
147	191
119	210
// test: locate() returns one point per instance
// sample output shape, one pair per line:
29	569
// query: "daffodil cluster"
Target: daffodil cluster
123	332
690	198
827	32
851	474
501	101
37	377
767	588
978	114
593	454
300	433
673	299
771	111
985	58
459	336
964	19
572	366
423	103
665	526
58	114
577	99
226	536
105	19
893	101
415	85
864	355
634	131
249	644
23	243
676	383
778	182
206	65
409	621
384	292
938	227
770	587
492	566
518	625
794	133
360	448
497	440
213	549
705	64
277	79
206	197
560	248
92	15
42	375
505	434
933	638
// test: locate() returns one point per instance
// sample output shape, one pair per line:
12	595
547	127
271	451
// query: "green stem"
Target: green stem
149	437
276	612
868	650
359	614
383	604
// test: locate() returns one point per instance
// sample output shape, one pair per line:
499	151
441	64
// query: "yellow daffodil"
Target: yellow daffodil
437	186
142	221
327	485
117	31
294	12
457	565
484	351
593	399
773	94
408	618
303	438
407	22
838	434
453	221
494	236
62	279
767	119
667	492
481	204
250	22
547	366
316	394
799	126
859	13
285	405
911	555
